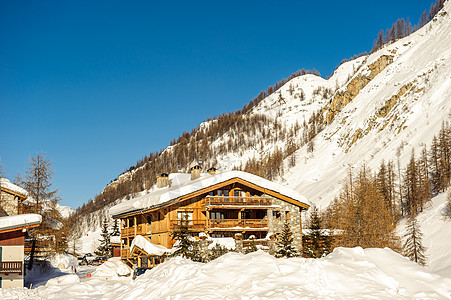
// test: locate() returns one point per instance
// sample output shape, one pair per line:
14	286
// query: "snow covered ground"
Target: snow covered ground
347	273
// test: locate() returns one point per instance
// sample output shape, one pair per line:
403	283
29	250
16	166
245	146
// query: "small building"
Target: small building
12	235
116	245
11	198
225	205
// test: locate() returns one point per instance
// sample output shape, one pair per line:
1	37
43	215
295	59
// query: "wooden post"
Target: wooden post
134	224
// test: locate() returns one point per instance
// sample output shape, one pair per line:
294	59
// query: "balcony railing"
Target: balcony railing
192	224
8	267
125	253
237	201
230	223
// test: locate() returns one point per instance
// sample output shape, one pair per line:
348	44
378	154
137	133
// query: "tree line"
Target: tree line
402	28
370	204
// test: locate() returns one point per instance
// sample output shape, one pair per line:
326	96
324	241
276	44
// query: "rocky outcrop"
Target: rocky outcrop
342	98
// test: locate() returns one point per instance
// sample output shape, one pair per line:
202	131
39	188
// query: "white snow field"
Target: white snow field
347	273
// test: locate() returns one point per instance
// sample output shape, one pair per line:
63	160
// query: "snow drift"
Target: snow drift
347	273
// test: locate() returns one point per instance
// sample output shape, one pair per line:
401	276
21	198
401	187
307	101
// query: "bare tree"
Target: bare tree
38	181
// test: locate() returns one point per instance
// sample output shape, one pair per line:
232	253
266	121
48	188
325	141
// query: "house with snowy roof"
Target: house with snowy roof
11	198
12	235
219	205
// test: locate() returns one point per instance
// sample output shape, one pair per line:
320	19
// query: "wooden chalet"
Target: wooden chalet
219	205
12	234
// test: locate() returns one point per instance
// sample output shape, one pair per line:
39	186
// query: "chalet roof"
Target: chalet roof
6	184
182	185
17	221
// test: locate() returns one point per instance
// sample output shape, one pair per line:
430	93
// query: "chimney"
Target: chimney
163	180
212	171
195	172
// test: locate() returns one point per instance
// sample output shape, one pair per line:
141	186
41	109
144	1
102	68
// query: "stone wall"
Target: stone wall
289	212
8	204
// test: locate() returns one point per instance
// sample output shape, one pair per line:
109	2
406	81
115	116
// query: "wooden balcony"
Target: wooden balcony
238	223
142	229
9	267
237	201
192	224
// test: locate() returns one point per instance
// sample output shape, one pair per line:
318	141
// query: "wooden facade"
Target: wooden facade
219	210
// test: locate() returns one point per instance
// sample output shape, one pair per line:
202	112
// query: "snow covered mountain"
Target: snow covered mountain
376	107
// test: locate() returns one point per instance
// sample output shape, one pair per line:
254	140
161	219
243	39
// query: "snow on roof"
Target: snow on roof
6	184
186	186
16	221
115	239
149	247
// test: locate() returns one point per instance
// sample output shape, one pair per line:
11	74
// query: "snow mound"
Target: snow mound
150	248
348	273
114	267
63	261
63	280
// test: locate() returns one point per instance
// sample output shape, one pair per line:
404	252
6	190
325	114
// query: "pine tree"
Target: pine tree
448	205
285	244
105	248
116	231
184	243
413	247
316	243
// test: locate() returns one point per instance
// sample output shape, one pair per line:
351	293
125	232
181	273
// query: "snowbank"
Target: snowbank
10	222
347	273
113	268
63	280
63	261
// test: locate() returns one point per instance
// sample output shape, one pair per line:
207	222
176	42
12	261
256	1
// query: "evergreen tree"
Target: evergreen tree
183	239
448	205
217	251
316	243
105	248
285	244
413	248
252	246
116	231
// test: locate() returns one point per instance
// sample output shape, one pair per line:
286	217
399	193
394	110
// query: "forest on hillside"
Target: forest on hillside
236	132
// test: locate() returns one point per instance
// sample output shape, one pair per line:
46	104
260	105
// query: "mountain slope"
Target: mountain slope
401	108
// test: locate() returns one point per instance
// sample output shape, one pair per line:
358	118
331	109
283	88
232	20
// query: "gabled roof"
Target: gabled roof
5	184
185	189
10	223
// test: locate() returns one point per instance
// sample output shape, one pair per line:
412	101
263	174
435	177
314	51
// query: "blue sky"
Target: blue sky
99	84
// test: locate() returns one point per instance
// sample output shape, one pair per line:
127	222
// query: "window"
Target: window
238	193
185	216
276	214
287	215
223	193
245	215
215	215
